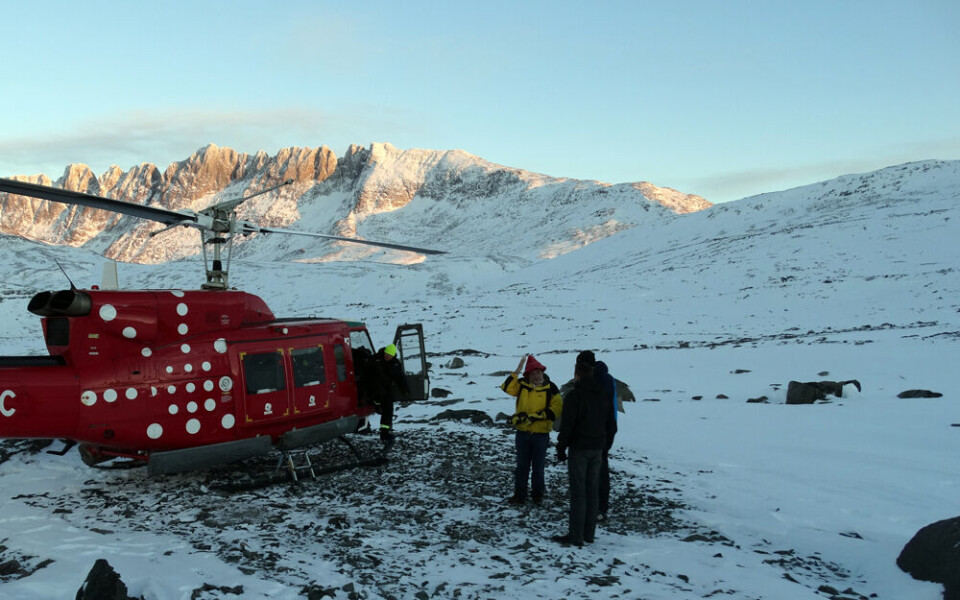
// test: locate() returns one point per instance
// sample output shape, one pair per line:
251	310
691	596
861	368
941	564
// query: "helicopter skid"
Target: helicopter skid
204	457
308	436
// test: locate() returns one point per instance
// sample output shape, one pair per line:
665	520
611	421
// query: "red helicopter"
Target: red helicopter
188	379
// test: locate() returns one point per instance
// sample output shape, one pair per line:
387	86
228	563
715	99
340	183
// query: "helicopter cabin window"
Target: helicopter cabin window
263	372
307	366
341	359
58	331
361	339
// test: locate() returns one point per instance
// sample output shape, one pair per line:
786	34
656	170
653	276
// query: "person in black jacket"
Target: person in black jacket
389	383
602	374
587	429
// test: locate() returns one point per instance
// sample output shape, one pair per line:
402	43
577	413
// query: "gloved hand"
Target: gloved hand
519	418
561	454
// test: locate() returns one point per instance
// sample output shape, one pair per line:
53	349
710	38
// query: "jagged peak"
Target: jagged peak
79	178
380	150
354	150
110	177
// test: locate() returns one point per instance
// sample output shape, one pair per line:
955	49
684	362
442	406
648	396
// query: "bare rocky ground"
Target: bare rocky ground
429	523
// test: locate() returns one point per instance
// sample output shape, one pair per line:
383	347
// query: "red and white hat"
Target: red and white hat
532	365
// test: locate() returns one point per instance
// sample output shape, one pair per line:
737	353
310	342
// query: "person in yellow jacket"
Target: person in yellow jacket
538	404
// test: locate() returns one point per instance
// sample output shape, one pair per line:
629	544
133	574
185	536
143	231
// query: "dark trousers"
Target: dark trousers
605	483
583	468
386	413
531	452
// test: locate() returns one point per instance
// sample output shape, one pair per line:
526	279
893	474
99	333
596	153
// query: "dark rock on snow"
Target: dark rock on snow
811	391
236	590
802	393
919	394
9	448
10	567
934	555
103	583
478	417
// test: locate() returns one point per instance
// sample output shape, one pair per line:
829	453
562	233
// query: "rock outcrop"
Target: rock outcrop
103	583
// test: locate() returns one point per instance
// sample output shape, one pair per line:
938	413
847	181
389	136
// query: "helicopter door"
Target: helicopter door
311	392
342	390
266	397
413	357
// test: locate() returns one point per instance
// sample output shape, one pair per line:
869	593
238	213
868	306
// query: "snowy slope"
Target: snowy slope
713	496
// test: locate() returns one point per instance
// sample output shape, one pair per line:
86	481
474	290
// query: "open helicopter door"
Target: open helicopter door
413	357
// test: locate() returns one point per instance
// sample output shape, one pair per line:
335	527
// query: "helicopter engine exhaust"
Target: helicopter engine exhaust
65	303
40	304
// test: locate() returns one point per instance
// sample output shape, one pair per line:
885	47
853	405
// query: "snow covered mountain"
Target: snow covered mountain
450	198
720	489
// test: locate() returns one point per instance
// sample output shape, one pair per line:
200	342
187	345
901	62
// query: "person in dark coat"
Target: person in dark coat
609	384
389	383
587	429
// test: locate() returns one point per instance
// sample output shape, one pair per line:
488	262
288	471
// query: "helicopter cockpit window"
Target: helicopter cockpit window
263	372
341	359
307	366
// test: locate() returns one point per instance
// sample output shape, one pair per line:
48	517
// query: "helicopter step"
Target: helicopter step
293	466
308	470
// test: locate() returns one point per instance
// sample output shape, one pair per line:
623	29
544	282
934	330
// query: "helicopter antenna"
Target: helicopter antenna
62	270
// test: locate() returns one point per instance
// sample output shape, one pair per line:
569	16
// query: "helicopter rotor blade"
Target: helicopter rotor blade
250	228
151	213
171	218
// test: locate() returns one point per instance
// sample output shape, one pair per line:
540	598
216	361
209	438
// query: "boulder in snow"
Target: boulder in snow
919	394
934	555
103	583
811	391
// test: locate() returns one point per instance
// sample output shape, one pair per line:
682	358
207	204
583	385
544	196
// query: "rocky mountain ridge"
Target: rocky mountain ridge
339	194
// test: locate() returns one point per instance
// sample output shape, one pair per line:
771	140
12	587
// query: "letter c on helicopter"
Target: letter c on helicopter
7	412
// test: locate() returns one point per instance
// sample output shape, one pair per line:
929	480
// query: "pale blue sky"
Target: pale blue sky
720	98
